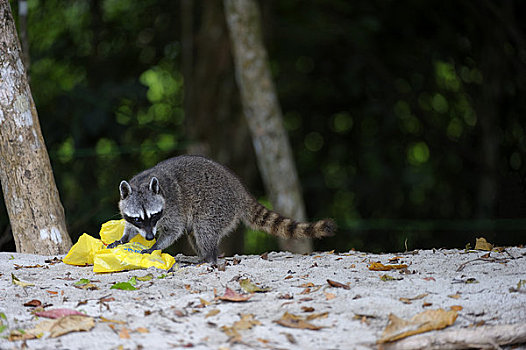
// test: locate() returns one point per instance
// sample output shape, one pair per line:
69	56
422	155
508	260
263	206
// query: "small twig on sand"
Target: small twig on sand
488	259
484	337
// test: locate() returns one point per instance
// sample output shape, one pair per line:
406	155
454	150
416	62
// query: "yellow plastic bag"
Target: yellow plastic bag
112	230
83	251
128	257
89	250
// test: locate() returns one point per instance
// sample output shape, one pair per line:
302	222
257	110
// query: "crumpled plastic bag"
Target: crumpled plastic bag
89	250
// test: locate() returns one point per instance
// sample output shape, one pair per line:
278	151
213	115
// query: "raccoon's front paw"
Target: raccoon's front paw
114	244
147	251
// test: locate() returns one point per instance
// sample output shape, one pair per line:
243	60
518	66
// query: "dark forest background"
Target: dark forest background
407	119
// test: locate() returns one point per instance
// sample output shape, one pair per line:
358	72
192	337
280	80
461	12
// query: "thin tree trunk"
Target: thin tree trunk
214	120
30	193
261	108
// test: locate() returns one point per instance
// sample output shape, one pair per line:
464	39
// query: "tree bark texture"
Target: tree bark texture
30	193
263	113
215	123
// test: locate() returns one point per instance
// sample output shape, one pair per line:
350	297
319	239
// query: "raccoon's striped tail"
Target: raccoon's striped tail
261	218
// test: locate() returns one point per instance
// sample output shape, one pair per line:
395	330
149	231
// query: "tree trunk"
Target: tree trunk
214	121
261	108
30	192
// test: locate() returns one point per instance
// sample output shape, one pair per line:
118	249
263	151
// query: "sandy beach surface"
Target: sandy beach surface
324	300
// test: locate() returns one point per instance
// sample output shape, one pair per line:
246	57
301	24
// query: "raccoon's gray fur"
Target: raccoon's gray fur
195	194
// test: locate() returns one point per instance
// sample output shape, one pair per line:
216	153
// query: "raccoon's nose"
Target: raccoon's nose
149	236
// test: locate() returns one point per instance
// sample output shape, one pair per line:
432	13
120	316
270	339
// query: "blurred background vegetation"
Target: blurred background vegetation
405	117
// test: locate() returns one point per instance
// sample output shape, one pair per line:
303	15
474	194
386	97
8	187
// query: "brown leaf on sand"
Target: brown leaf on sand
378	266
247	321
233	335
482	244
250	287
293	321
409	300
329	296
423	322
230	295
63	325
33	303
318	315
124	333
337	284
212	313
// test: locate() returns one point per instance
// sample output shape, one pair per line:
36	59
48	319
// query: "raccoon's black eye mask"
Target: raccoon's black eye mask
140	221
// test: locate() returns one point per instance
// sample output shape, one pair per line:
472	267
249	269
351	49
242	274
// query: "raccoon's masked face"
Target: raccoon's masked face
142	207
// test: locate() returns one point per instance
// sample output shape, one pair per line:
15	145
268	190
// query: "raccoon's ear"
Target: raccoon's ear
154	185
125	189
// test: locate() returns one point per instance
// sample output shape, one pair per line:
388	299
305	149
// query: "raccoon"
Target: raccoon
193	194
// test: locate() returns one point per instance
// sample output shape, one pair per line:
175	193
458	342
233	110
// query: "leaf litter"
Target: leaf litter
293	321
398	328
231	295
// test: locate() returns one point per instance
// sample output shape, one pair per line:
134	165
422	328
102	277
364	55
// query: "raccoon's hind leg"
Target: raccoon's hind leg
206	241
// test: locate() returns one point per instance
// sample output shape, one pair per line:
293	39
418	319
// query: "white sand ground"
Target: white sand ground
173	312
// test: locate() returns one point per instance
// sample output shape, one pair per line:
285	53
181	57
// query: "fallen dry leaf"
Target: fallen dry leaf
58	313
387	278
142	330
289	337
124	333
337	284
204	303
306	291
409	300
329	296
18	282
87	286
307	285
233	335
247	321
454	296
293	321
378	266
285	296
307	309
63	325
423	322
456	307
212	313
104	319
394	259
230	295
316	316
262	340
33	303
250	287
482	244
